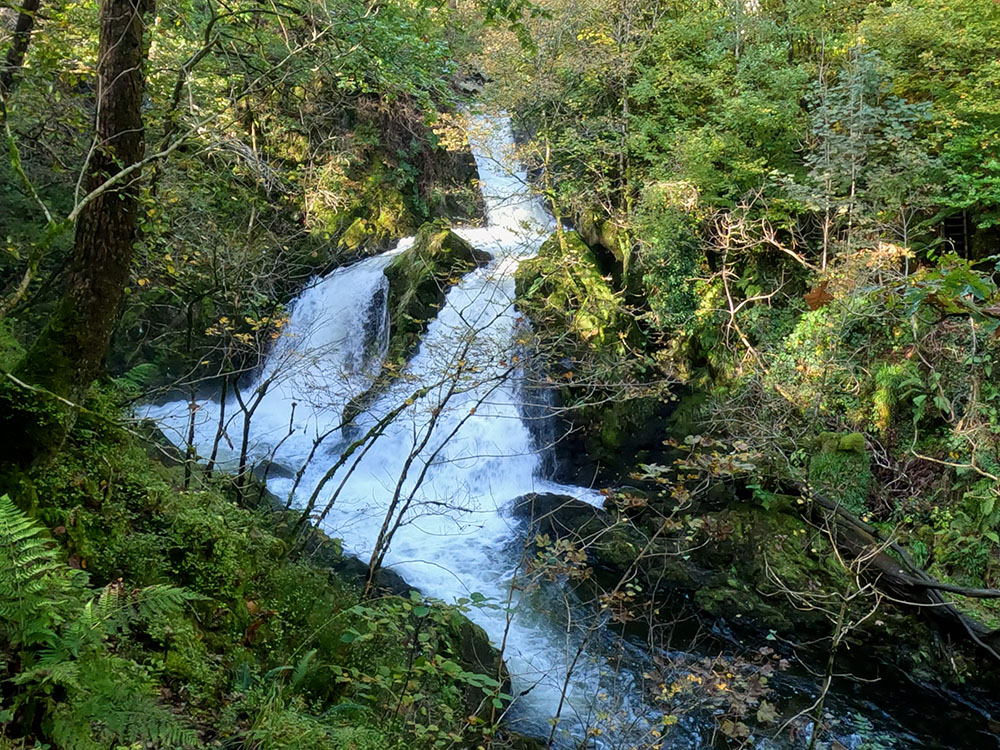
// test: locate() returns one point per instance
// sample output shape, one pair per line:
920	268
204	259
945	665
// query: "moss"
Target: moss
562	288
11	350
841	470
419	278
616	546
763	551
355	235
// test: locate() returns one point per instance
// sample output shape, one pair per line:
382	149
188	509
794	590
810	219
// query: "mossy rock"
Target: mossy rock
840	469
11	350
609	542
419	279
562	289
355	235
763	551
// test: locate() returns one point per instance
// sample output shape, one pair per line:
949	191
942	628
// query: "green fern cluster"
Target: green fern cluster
59	635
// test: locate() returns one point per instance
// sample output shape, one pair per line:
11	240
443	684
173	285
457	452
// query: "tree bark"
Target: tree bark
18	49
69	353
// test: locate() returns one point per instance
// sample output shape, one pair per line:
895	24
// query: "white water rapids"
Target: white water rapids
458	538
464	452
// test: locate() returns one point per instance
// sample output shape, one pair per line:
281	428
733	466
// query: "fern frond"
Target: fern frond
118	706
33	581
162	600
302	669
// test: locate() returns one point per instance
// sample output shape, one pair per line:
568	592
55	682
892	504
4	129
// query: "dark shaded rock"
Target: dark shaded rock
471	649
558	515
265	470
609	543
518	741
354	571
574	308
419	278
158	446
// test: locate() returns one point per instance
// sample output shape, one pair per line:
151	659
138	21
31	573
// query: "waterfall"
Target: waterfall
456	454
460	453
457	538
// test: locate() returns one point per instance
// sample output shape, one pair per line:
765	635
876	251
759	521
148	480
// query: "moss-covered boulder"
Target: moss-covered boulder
609	240
735	563
562	289
840	469
578	315
419	278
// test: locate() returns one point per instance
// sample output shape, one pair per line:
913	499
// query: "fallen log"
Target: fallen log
897	575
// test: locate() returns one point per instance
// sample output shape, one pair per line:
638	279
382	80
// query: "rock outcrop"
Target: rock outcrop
419	279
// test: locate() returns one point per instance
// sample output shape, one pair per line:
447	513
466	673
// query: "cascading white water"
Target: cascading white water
456	457
470	453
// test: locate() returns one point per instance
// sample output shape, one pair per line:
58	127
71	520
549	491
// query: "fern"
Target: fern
133	382
59	629
33	583
116	705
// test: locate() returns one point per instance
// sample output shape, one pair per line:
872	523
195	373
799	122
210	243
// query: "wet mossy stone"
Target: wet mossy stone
558	515
419	279
472	650
745	557
562	289
609	542
355	235
420	276
840	469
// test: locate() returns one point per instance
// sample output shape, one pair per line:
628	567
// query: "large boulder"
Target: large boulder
563	289
419	278
609	543
579	317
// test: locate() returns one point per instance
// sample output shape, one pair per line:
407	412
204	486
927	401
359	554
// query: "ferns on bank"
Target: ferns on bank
33	583
59	631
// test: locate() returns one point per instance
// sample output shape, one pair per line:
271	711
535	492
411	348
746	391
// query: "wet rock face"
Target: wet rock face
577	312
419	279
558	515
609	543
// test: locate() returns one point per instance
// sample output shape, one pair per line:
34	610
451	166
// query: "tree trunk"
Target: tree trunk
68	354
18	48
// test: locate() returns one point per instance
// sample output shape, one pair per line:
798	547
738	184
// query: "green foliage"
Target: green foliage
202	627
86	695
10	348
33	583
840	469
669	259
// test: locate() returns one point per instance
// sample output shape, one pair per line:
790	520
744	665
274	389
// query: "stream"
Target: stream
466	451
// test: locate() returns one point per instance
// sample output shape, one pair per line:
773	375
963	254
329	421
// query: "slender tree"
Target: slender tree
67	356
14	60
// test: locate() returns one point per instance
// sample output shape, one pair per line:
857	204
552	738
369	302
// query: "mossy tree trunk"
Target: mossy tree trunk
68	354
